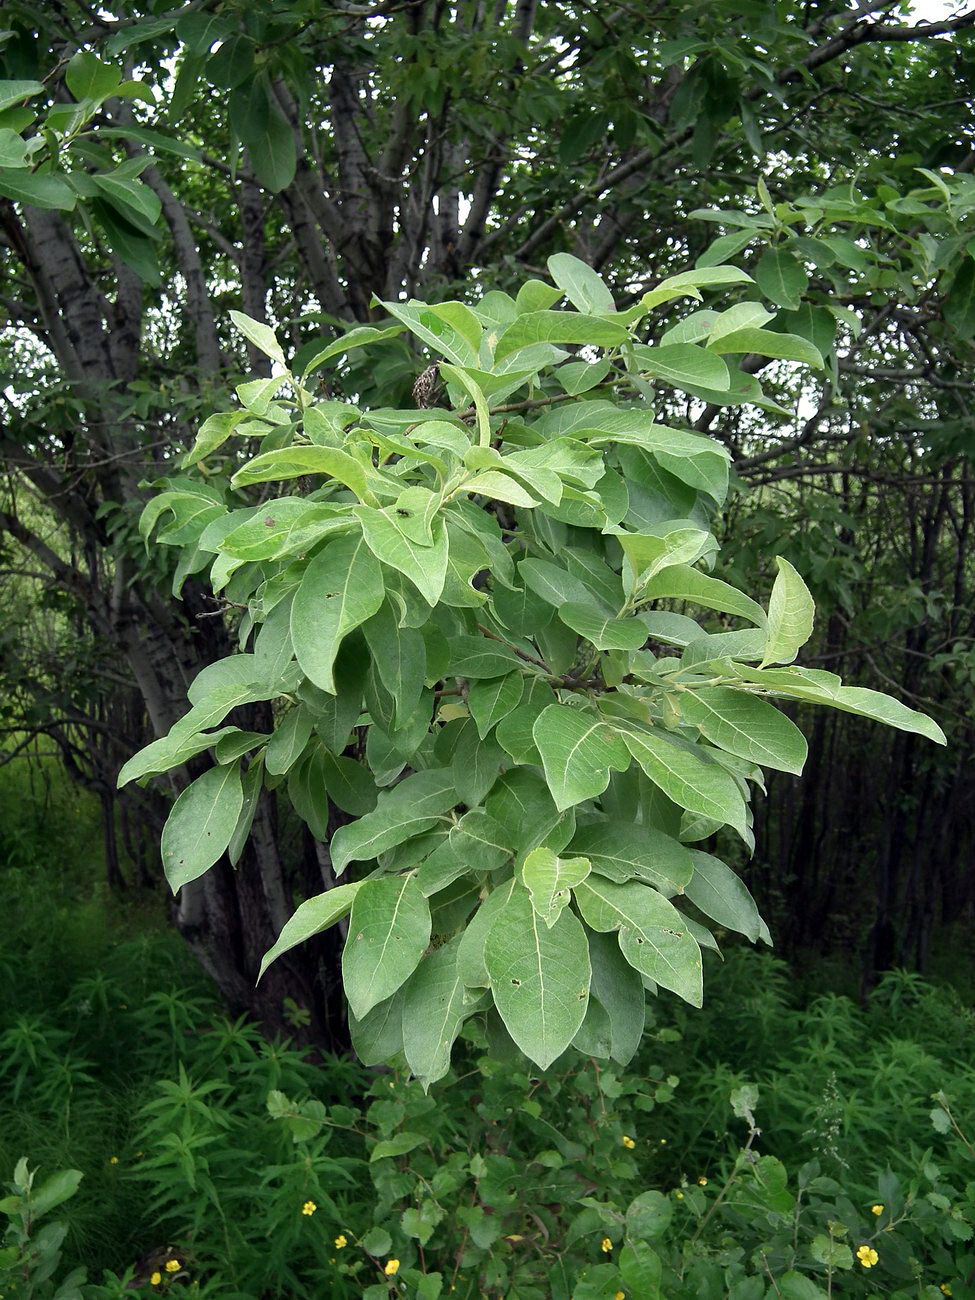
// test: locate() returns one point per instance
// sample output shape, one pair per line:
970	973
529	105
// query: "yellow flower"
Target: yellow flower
309	1207
606	1245
155	1279
113	1160
876	1209
679	1195
663	1142
392	1267
619	1296
702	1182
867	1256
628	1142
341	1241
945	1288
171	1266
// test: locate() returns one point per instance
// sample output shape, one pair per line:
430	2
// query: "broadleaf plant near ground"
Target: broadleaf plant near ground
473	623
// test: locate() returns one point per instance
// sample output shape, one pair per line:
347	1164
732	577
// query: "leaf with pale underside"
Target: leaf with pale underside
578	749
539	977
653	936
389	929
550	880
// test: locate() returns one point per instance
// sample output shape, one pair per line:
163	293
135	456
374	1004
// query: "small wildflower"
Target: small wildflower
341	1241
122	1006
606	1245
867	1256
309	1207
663	1142
679	1195
702	1182
945	1288
619	1296
171	1266
113	1160
876	1209
628	1142
392	1267
155	1279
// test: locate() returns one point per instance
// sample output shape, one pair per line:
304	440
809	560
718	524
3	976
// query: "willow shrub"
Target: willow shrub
492	642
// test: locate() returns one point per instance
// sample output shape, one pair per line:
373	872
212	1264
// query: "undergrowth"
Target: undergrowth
774	1144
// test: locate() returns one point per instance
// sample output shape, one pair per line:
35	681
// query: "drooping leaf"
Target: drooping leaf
389	929
200	824
340	589
539	977
433	1011
310	918
410	808
687	777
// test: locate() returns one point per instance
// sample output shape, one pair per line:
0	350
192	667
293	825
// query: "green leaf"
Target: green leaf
15	92
719	893
653	936
434	1008
550	880
781	278
349	784
289	740
310	918
817	687
340	589
641	1269
768	343
558	327
415	805
604	632
261	335
168	752
200	824
453	335
273	154
39	189
88	78
959	304
378	1037
618	990
400	1144
399	654
580	284
578	749
480	657
689	779
746	726
425	566
633	852
684	363
54	1191
13	150
539	977
790	616
126	240
492	699
680	582
476	765
295	462
389	930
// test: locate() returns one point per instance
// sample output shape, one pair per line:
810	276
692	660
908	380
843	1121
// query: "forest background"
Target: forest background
160	167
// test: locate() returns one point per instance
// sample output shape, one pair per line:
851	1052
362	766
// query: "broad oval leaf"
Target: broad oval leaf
746	726
689	779
539	977
550	880
341	588
434	1008
578	749
653	936
409	809
389	930
200	824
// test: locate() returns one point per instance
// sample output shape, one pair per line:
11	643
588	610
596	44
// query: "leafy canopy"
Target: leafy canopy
465	617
